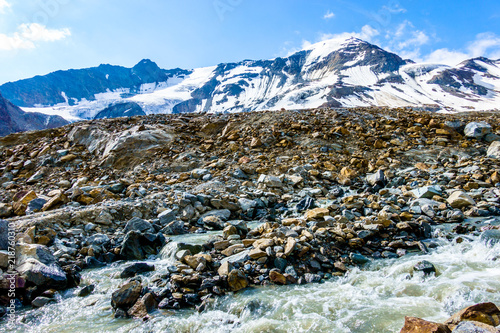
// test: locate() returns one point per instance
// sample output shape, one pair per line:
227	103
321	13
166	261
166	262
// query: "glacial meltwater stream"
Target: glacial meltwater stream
375	298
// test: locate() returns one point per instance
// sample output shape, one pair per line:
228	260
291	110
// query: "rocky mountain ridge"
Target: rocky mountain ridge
333	73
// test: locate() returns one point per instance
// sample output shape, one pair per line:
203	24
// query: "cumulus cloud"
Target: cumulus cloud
327	16
27	36
484	45
4	5
367	33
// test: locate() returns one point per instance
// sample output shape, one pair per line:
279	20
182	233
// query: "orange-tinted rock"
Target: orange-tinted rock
417	325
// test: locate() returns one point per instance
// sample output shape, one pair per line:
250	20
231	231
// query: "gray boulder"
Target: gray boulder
494	150
39	274
477	130
140	225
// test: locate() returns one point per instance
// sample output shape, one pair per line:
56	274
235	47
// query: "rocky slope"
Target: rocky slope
13	119
333	73
331	190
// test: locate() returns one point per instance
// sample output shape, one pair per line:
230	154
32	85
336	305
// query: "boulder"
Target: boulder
4	235
127	295
237	280
40	301
139	225
87	290
143	306
174	228
167	216
417	325
487	313
277	277
316	213
477	130
136	268
137	246
494	150
270	181
42	275
474	327
424	266
225	269
460	199
491	237
427	192
377	178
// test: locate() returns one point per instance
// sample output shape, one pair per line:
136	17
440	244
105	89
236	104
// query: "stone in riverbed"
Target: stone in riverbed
39	274
225	268
487	313
137	246
474	327
417	325
460	199
143	306
136	268
127	295
87	290
237	280
424	266
40	301
174	228
277	277
491	237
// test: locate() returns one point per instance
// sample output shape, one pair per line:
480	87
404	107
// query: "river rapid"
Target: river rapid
375	298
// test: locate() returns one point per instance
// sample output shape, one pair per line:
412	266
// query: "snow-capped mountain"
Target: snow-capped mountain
334	73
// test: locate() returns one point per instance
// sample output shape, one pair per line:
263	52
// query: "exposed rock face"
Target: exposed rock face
130	146
13	119
128	109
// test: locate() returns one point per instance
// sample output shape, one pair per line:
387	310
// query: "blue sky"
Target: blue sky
40	36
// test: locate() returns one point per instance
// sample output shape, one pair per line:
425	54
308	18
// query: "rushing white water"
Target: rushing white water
373	299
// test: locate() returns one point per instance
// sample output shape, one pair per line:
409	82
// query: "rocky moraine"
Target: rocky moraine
284	198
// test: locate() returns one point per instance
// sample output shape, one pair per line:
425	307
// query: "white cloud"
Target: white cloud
367	33
485	45
396	9
418	38
445	56
27	35
327	16
4	5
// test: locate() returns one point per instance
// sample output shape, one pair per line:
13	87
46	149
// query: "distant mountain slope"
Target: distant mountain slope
332	73
75	85
13	119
